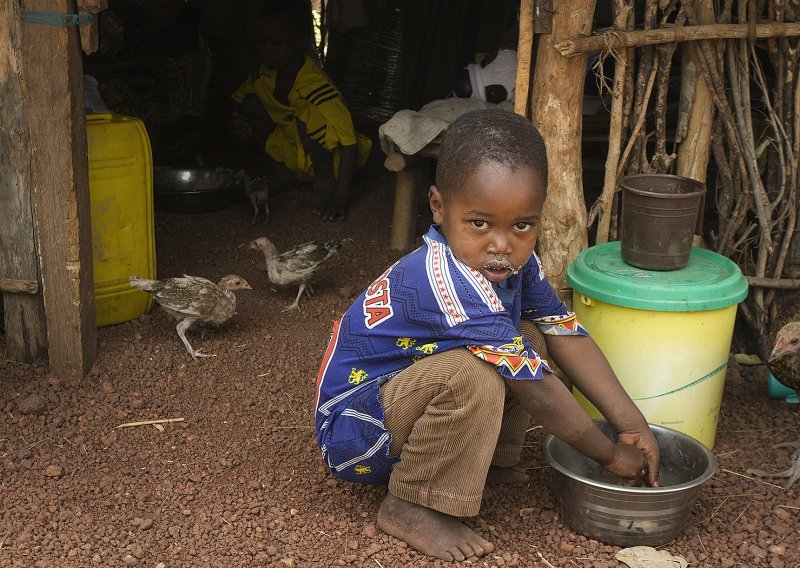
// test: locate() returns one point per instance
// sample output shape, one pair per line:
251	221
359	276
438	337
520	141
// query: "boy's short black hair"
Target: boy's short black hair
296	12
489	136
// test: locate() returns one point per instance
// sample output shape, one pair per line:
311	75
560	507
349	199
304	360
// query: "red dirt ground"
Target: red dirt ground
240	482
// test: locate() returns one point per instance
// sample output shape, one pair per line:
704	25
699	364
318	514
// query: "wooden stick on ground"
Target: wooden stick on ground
149	422
544	560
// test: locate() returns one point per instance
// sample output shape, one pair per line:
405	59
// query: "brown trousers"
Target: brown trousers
451	416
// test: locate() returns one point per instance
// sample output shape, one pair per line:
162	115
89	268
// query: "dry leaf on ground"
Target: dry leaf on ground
649	557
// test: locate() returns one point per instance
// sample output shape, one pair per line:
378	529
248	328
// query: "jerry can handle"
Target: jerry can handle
99	117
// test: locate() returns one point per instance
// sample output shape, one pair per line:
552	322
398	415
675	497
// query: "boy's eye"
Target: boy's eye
522	226
478	223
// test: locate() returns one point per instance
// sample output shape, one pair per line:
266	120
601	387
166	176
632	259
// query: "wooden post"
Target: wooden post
524	54
52	86
25	324
557	112
410	179
404	218
692	160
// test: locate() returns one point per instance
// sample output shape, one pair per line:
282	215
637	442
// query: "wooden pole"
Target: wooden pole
52	85
603	205
524	54
581	45
24	315
404	219
557	112
692	159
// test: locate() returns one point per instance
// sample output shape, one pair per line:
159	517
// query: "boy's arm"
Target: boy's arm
585	365
554	407
238	125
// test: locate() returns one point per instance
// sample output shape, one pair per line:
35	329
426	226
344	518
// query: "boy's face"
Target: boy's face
278	43
492	222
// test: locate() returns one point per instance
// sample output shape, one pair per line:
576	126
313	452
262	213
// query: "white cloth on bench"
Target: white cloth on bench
409	131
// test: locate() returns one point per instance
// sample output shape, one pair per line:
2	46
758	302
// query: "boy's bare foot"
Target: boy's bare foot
513	475
430	532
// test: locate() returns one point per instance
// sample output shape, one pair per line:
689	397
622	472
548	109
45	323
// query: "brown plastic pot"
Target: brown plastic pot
660	215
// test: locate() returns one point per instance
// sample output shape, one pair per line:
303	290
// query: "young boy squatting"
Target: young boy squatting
431	376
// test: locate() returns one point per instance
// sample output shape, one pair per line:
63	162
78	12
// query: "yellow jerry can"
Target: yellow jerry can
123	231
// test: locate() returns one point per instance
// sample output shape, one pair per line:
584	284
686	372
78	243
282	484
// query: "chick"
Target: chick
191	299
257	191
297	265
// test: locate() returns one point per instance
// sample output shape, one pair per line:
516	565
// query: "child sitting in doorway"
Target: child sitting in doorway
295	112
431	376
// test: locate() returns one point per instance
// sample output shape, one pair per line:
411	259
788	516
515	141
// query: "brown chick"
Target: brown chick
784	364
297	265
191	299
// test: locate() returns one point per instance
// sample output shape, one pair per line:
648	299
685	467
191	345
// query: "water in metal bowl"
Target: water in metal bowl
595	504
192	190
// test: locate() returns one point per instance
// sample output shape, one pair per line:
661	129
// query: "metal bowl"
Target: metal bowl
595	504
192	190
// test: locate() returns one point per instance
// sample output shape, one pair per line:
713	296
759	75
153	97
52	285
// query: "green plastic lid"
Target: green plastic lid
709	282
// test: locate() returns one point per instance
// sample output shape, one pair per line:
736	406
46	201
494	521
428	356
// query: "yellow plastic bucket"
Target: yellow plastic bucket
667	335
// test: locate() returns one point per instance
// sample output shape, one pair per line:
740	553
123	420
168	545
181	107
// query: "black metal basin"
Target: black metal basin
192	190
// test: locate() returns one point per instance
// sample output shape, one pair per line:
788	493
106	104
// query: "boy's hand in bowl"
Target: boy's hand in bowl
646	443
628	463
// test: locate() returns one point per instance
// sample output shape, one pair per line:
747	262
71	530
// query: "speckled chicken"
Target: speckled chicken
192	299
256	188
297	265
784	360
784	364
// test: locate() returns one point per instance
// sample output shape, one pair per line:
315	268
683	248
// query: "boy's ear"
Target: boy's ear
437	206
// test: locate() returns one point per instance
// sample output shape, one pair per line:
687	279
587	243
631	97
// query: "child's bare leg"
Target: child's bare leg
429	531
444	414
